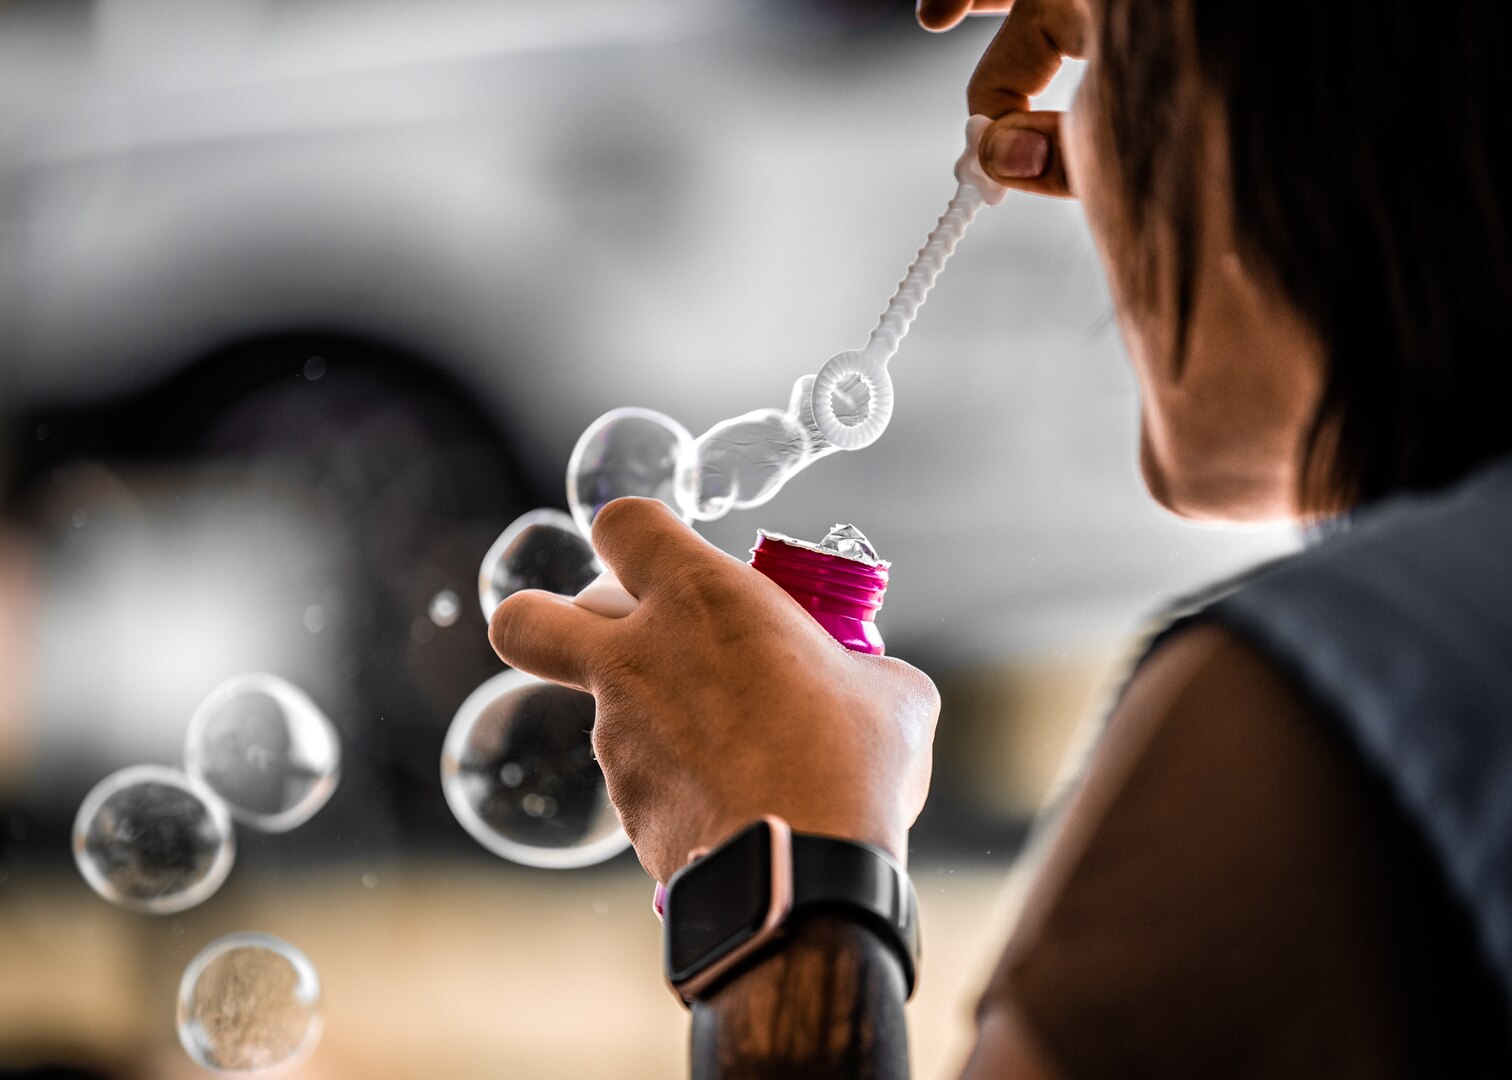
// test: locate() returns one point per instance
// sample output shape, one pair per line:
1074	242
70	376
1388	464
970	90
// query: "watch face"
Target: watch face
719	902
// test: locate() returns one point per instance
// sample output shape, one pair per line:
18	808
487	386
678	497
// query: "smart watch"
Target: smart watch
733	902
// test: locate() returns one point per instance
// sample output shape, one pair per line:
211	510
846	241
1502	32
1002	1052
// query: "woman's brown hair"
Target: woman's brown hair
1370	149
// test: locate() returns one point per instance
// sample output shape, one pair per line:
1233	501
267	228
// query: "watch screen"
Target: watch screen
719	902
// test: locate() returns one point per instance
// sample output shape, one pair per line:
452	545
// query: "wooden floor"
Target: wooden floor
438	971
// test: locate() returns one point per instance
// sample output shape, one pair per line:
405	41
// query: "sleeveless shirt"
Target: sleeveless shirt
1187	929
1399	629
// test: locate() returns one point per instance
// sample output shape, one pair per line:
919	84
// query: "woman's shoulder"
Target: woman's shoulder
1294	843
1213	893
1405	611
1396	635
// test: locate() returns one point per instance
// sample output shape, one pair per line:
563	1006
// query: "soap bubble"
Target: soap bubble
445	606
743	462
151	839
265	748
249	1004
630	452
541	550
520	776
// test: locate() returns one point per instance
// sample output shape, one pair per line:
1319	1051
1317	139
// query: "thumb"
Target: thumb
550	636
1022	150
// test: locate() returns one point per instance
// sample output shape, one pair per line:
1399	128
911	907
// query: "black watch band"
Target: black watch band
731	904
847	877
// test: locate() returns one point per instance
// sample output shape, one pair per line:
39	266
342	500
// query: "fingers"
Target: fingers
1026	54
1022	149
645	544
941	15
550	636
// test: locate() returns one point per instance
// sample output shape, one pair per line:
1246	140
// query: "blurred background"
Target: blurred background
303	301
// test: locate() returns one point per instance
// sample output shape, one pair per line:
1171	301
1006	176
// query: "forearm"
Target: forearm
828	1003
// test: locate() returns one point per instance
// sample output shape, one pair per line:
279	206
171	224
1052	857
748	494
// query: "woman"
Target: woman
1290	856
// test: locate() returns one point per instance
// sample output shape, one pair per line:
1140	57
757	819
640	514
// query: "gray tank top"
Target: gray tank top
1399	628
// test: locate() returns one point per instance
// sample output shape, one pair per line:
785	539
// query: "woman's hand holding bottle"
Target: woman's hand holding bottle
720	699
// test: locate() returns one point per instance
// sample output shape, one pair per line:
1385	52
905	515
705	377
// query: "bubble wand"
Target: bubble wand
853	394
742	462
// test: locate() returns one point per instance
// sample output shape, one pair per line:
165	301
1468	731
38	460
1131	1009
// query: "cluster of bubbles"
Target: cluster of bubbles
736	464
160	840
517	766
157	839
506	766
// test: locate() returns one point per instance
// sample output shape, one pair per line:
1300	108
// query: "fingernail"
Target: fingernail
1017	153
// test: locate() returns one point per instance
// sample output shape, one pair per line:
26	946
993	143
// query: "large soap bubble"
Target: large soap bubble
542	549
249	1004
630	452
151	839
519	774
264	747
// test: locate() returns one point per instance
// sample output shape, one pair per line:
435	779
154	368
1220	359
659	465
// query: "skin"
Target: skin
1221	426
714	652
717	651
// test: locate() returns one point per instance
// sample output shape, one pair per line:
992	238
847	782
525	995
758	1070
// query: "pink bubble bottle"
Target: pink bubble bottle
840	581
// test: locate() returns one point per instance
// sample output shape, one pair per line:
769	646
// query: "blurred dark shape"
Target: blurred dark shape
408	480
552	560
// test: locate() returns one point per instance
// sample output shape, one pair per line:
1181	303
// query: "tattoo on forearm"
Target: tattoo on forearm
827	1004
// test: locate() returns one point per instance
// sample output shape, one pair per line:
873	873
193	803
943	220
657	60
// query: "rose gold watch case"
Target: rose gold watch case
779	906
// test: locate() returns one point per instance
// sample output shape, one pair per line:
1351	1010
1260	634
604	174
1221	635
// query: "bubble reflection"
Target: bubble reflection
265	748
540	550
249	1004
519	774
151	839
630	452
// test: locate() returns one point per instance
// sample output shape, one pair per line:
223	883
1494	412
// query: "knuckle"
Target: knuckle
617	672
699	584
705	582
